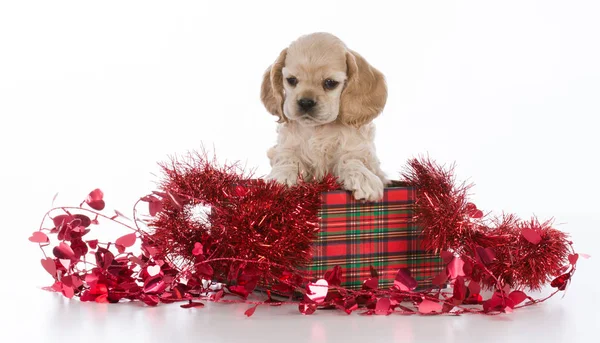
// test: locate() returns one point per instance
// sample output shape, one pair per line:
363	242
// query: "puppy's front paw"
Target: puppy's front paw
284	176
365	186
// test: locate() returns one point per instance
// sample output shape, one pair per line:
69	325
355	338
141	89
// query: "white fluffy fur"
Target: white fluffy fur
338	136
346	152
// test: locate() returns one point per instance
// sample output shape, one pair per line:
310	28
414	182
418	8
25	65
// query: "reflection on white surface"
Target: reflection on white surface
48	317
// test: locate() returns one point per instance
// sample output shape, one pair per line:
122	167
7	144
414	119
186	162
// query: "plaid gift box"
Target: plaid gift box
356	235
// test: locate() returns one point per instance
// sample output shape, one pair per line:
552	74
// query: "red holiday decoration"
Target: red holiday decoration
215	234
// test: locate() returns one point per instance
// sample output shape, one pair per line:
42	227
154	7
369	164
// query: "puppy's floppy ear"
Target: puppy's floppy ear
365	92
271	92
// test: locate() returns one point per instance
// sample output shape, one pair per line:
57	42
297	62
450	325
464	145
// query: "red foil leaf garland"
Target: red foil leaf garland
259	233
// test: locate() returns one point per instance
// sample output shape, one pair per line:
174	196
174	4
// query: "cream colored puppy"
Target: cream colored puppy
326	97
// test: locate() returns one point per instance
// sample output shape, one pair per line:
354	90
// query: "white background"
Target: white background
95	94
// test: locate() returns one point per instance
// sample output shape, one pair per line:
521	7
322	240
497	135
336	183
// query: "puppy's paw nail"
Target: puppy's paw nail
370	190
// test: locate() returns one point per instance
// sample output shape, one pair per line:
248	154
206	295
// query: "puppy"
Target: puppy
326	97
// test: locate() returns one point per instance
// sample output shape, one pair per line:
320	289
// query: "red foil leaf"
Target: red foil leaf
62	219
104	258
95	200
317	291
93	244
472	211
573	258
136	260
66	263
192	304
120	248
473	299
404	281
447	256
79	248
98	289
67	280
239	290
486	255
205	270
440	279
197	249
83	220
446	307
154	284
467	268
249	312
76	282
57	286
428	306
561	281
531	235
155	205
517	297
350	305
127	240
102	298
148	299
460	290
217	296
383	306
371	284
474	287
334	276
39	237
68	292
455	268
63	251
307	309
49	265
497	302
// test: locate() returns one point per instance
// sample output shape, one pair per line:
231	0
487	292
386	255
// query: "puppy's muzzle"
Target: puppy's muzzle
306	104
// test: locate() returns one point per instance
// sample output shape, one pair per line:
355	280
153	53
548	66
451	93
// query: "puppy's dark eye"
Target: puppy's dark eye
330	84
292	81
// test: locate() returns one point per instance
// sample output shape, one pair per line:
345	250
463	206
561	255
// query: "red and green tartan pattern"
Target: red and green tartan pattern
356	235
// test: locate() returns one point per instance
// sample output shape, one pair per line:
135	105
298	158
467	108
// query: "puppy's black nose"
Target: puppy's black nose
306	104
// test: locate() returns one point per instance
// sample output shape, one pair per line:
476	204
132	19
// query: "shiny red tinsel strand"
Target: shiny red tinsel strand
257	234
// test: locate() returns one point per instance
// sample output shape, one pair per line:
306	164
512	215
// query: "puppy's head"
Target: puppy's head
318	80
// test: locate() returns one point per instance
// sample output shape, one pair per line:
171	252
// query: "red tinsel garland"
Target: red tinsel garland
258	234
